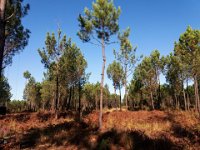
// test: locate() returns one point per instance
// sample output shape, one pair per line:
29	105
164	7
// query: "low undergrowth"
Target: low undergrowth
121	130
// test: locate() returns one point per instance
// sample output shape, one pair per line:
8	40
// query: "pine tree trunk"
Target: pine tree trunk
2	33
188	101
141	98
56	99
159	94
115	96
125	84
43	106
179	102
185	101
73	97
196	94
188	97
30	106
75	105
65	101
196	107
70	97
79	102
152	103
176	101
96	101
120	98
102	82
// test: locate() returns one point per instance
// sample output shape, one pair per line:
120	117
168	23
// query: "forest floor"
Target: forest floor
162	130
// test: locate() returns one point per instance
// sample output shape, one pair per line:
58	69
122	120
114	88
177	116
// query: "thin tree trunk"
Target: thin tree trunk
158	90
70	97
102	82
179	102
43	106
115	96
125	84
196	94
185	101
176	101
120	98
188	101
141	99
56	99
96	101
75	105
2	34
73	97
188	98
79	102
159	94
30	105
152	103
65	101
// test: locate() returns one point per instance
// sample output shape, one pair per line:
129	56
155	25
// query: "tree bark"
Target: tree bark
57	95
30	106
96	102
115	95
2	33
120	98
185	101
70	97
152	103
73	97
79	101
102	82
141	99
125	84
188	101
75	105
176	101
196	94
43	106
159	94
188	97
64	105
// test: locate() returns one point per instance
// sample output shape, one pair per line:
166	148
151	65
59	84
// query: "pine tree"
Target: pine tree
126	56
158	64
188	50
13	36
98	25
50	56
116	74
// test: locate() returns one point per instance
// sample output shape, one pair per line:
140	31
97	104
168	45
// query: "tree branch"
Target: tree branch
94	43
10	16
109	43
96	39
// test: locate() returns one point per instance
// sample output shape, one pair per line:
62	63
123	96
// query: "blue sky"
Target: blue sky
154	24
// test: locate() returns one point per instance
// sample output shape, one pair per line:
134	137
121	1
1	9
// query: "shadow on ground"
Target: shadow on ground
190	135
79	135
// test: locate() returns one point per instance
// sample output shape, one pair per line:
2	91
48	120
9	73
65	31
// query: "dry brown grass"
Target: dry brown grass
121	130
20	123
178	126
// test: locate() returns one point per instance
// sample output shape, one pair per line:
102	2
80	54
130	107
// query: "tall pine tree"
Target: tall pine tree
96	26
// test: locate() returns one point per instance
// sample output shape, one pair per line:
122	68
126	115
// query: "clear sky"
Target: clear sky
155	24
